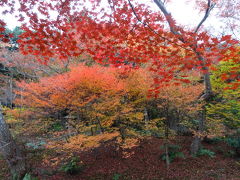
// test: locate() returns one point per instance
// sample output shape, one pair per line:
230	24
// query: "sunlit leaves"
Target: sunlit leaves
81	86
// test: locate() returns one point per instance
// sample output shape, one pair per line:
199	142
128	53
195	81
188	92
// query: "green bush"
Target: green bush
74	166
56	126
214	140
206	152
235	143
36	145
29	177
116	176
174	152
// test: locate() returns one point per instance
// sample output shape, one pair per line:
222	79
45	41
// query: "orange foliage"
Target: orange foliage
184	96
19	113
80	87
84	142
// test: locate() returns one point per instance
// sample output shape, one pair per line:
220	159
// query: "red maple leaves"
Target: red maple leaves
127	33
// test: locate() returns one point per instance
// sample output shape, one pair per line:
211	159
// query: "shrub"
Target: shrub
214	140
116	176
206	152
29	177
56	126
36	145
174	152
72	167
235	143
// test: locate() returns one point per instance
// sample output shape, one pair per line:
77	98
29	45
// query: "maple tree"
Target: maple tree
88	92
127	32
104	93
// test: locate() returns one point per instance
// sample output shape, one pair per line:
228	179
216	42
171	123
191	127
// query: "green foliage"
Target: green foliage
225	107
116	176
56	126
214	140
156	133
29	177
16	32
206	152
153	111
72	167
36	145
233	142
174	152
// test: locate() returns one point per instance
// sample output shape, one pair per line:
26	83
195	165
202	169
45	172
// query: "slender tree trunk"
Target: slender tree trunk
11	151
208	89
100	125
11	91
123	135
166	145
196	144
92	131
167	139
146	117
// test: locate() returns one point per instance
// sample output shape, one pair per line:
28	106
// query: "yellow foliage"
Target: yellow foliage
84	142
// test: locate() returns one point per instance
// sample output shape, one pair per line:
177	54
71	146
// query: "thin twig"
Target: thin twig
210	6
151	29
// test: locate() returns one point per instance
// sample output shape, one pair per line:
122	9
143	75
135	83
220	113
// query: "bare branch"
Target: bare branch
210	6
144	23
112	5
167	15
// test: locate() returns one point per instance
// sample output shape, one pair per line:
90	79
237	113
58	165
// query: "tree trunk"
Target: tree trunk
167	123
196	144
11	91
92	131
166	145
146	117
100	125
11	151
208	89
123	134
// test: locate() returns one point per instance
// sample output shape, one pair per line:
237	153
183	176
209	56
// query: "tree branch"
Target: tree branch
168	16
144	23
151	29
210	6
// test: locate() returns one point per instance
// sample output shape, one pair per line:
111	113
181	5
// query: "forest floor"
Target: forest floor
104	157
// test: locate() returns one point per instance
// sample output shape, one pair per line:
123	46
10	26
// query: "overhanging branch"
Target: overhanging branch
210	6
151	29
